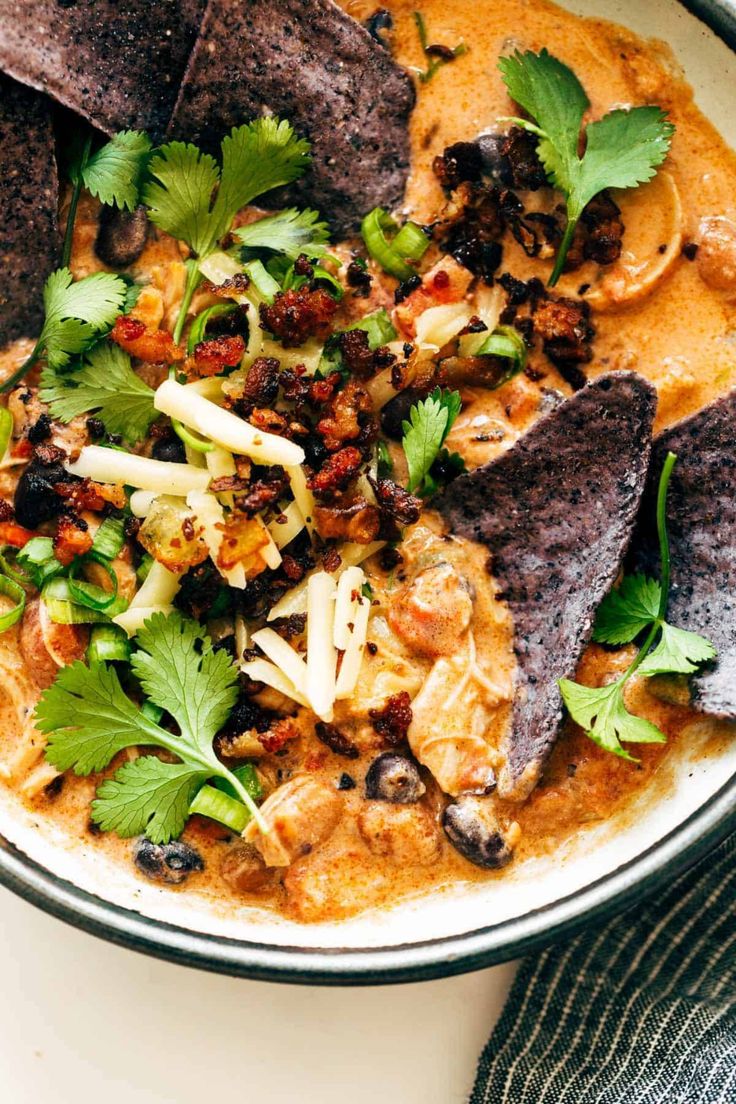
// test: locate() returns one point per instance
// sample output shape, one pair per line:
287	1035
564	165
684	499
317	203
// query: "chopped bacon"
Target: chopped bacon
337	471
73	538
155	346
392	722
358	522
265	491
295	316
277	735
260	386
396	503
335	740
459	162
215	354
270	421
12	533
341	423
565	328
519	148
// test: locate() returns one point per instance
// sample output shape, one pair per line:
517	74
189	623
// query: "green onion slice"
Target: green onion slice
264	284
9	566
199	326
409	244
191	438
64	610
219	806
109	540
90	595
10	589
6	428
247	775
378	326
108	644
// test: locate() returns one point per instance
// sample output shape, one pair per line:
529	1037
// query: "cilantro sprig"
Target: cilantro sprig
290	232
622	150
77	314
105	385
195	200
88	718
638	606
430	421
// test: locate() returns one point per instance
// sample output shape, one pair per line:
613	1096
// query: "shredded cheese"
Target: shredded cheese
223	427
133	619
106	465
287	525
346	604
159	588
284	656
438	325
262	671
295	600
353	656
211	516
321	653
141	502
302	495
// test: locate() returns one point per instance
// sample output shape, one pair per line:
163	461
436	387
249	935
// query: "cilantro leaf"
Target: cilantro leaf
191	198
628	611
678	652
78	312
430	420
107	385
602	713
256	157
148	796
88	718
114	173
290	232
622	150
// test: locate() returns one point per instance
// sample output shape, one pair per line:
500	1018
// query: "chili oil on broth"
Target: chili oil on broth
675	336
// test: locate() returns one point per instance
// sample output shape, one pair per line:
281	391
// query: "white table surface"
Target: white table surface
84	1021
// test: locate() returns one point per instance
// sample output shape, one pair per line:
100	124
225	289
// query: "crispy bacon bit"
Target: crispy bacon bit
342	422
227	484
278	735
602	230
264	491
359	278
270	421
154	346
295	316
12	533
261	385
215	354
331	560
396	503
566	332
519	147
236	285
6	510
337	471
293	570
404	290
358	522
49	454
356	353
82	495
459	162
242	543
41	430
336	740
72	539
392	722
290	626
470	228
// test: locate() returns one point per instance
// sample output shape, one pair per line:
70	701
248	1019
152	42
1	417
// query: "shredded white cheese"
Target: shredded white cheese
262	671
353	655
211	516
111	466
302	495
346	604
438	325
141	502
133	619
295	600
284	656
287	525
223	427
321	653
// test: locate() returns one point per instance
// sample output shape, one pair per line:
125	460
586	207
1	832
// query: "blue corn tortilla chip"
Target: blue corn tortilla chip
556	512
701	523
309	62
117	64
29	198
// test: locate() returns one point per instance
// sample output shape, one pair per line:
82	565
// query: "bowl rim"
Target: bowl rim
445	956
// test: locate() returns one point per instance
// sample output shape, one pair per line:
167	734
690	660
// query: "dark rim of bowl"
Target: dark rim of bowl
630	883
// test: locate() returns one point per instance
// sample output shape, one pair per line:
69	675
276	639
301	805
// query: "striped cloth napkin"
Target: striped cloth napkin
640	1010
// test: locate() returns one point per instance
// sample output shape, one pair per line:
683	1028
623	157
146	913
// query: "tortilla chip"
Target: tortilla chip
29	198
701	523
557	512
119	64
311	63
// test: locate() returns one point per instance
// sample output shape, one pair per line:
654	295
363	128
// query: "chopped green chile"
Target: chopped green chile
219	806
10	589
409	244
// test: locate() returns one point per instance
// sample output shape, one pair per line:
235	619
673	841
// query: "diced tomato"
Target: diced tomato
446	282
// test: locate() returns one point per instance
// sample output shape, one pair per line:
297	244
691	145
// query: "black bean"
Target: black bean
35	499
170	449
393	778
121	237
167	862
472	828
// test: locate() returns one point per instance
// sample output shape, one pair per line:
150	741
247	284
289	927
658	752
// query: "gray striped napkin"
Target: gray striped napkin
640	1010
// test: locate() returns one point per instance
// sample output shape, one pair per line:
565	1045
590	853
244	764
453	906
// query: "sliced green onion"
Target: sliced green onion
6	428
89	594
264	284
409	244
108	644
10	589
507	343
9	566
247	775
198	328
219	806
191	437
109	539
324	277
60	601
141	572
378	326
37	559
